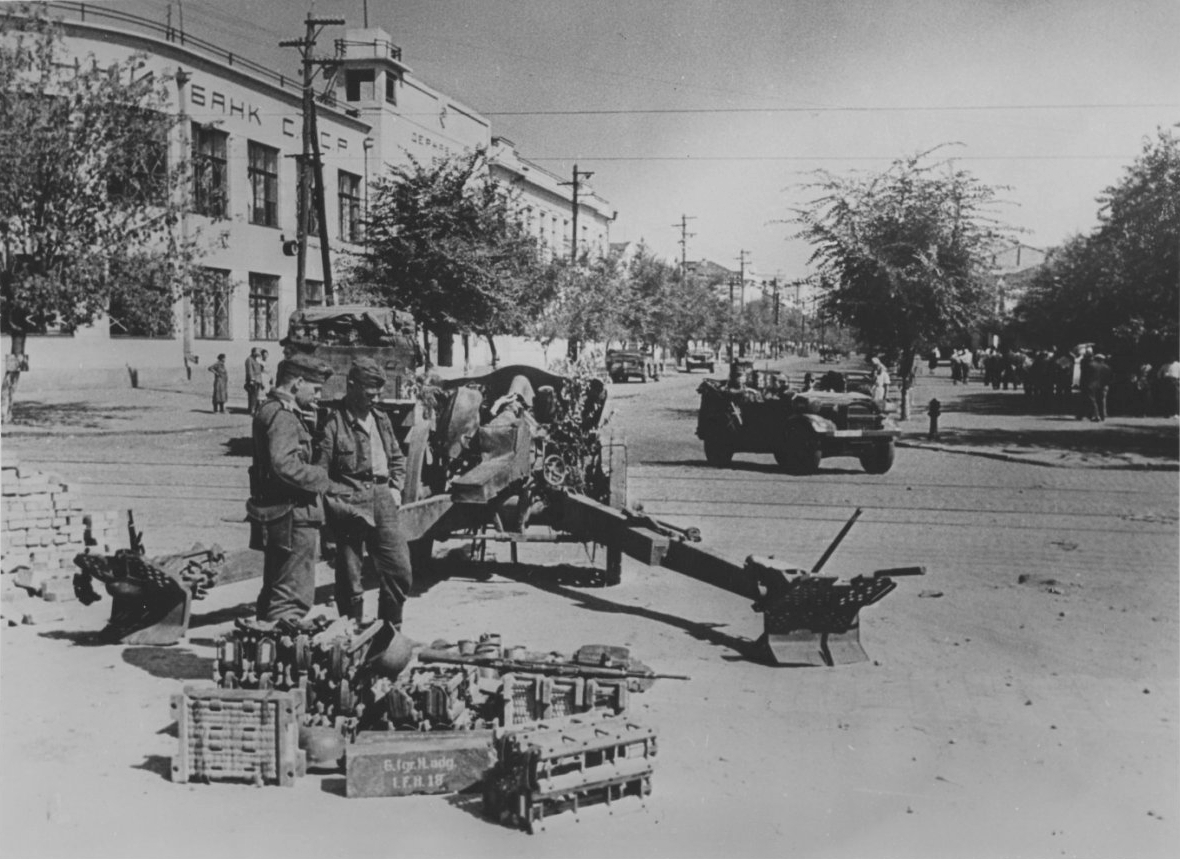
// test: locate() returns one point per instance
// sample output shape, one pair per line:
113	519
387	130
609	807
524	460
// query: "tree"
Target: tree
1119	285
903	253
585	301
444	243
88	202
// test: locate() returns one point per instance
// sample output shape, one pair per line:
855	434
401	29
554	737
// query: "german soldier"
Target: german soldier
360	452
285	509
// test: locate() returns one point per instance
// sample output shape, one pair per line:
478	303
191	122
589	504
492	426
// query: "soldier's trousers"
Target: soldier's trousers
288	577
386	544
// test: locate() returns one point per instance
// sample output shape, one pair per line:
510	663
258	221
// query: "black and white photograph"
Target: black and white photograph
664	428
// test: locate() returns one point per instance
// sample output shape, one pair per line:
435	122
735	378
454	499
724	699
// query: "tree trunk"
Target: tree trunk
16	361
426	348
446	348
572	349
466	353
906	368
492	349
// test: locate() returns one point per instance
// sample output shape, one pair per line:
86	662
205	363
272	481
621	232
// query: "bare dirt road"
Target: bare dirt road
1021	699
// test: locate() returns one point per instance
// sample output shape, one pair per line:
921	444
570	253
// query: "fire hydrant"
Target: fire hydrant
934	410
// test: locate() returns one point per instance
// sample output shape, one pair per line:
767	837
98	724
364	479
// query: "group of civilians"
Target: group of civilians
1105	383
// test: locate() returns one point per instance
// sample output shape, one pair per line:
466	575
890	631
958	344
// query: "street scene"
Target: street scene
380	473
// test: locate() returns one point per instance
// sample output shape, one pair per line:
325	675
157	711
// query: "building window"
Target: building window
349	194
359	84
315	293
211	305
210	180
391	88
264	306
264	185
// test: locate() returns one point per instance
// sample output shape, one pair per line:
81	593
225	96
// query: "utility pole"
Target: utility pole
742	280
731	323
578	175
311	158
774	286
685	235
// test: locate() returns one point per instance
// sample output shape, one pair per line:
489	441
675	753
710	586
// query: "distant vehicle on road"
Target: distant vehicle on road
699	358
799	428
623	364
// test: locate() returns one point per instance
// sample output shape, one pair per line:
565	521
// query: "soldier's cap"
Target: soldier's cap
367	373
313	370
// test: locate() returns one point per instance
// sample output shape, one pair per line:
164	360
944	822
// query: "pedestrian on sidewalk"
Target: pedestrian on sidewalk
1096	375
253	384
880	380
220	384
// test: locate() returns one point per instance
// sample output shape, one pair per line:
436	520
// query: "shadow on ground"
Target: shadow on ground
552	579
241	446
1149	442
169	662
32	413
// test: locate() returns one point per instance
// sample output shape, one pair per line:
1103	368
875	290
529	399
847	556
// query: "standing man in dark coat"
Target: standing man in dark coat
285	509
1096	376
360	451
220	384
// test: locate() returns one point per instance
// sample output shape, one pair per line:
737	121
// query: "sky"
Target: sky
719	111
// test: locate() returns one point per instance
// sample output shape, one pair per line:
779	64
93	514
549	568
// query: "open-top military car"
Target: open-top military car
761	413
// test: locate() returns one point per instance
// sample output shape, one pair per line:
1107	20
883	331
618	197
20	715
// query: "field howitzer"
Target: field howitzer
808	619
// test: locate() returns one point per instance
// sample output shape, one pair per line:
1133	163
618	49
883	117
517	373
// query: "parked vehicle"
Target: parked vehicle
623	364
762	414
699	358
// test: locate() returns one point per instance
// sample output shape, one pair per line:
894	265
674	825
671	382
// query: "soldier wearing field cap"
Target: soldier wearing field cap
285	507
360	452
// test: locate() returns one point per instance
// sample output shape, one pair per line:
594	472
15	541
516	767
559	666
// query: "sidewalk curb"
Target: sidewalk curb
1027	460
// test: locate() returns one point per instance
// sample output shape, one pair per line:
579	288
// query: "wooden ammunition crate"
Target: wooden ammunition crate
532	697
401	763
230	734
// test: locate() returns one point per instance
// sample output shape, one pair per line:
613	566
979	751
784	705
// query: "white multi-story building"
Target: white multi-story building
242	125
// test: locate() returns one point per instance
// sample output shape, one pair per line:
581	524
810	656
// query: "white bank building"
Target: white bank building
242	125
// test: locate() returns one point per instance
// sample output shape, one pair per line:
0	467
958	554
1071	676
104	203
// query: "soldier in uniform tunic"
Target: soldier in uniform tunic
360	451
285	507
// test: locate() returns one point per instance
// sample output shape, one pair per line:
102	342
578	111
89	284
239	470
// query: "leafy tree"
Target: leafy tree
904	253
1119	285
87	199
585	301
444	243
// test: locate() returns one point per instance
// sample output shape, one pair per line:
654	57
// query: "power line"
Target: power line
822	158
855	109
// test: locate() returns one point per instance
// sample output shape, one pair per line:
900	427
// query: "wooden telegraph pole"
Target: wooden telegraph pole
311	159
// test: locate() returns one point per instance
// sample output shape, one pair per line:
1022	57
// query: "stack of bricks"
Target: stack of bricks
44	525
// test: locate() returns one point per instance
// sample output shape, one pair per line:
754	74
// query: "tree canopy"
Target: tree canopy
443	241
903	253
88	209
1120	285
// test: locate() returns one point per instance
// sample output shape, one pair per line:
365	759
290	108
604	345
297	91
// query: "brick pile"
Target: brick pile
43	525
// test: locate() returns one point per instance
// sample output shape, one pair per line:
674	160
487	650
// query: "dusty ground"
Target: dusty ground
1021	699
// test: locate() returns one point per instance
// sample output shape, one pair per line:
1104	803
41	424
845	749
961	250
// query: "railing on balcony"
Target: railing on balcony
90	12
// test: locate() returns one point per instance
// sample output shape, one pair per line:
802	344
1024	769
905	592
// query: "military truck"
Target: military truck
760	413
623	364
341	333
